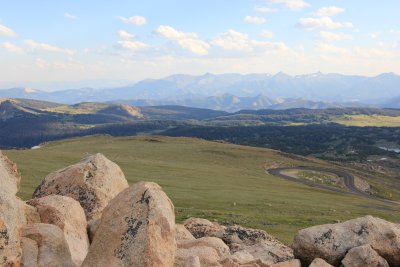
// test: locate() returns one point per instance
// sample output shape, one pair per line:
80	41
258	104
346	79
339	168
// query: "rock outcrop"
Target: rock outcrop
364	256
332	241
93	182
136	229
68	215
245	244
209	250
51	247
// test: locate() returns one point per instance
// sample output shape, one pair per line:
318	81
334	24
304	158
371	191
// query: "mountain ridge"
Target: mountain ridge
194	91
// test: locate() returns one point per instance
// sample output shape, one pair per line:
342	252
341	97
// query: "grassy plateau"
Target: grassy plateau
213	180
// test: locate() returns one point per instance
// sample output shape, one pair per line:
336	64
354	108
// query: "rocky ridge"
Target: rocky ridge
87	215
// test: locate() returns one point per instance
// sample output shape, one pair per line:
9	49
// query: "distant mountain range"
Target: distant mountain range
232	92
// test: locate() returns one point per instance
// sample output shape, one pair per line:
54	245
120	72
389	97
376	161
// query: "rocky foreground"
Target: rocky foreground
87	215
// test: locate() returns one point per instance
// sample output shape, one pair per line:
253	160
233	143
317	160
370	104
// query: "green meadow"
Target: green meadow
222	182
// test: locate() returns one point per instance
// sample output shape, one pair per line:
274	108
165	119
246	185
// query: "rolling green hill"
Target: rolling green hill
213	180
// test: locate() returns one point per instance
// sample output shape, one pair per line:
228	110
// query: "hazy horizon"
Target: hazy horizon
50	86
130	41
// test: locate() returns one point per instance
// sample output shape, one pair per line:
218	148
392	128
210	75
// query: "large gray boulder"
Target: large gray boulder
69	216
332	241
137	228
93	182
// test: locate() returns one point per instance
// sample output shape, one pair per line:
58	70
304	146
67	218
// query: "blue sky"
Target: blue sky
72	40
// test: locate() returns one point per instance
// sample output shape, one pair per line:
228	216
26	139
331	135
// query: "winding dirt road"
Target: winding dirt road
347	178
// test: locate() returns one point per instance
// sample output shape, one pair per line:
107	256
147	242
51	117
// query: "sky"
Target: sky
130	40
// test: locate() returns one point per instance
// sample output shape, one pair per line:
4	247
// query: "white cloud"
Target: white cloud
331	37
47	47
187	40
373	35
291	4
254	20
10	47
267	34
125	35
264	9
322	23
236	41
328	48
329	11
135	20
70	16
6	31
133	45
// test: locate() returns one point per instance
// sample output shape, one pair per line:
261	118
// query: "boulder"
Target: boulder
332	241
242	257
201	228
363	256
12	219
192	261
243	242
217	244
31	214
69	216
92	228
137	228
181	233
93	182
229	262
9	175
30	253
209	250
268	252
291	263
52	248
318	262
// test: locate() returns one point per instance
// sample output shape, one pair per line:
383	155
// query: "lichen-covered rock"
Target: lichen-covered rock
318	262
209	250
181	233
9	175
93	182
69	216
53	250
364	256
243	241
12	218
332	241
202	228
137	228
